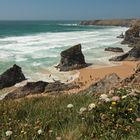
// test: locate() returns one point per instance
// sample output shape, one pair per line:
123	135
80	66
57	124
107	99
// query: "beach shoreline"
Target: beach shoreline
91	75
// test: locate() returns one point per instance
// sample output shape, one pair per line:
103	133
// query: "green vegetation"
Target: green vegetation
72	118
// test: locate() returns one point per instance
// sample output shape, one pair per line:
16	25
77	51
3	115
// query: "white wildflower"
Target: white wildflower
123	97
8	133
110	107
91	106
70	106
50	131
111	92
40	131
82	109
58	138
83	118
105	98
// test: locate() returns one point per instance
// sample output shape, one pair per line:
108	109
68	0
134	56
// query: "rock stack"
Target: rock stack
72	58
11	76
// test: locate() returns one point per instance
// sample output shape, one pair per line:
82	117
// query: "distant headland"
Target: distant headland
111	22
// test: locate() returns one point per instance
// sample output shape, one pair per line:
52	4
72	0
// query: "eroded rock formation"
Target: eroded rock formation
132	35
32	88
72	58
102	86
132	55
11	76
114	49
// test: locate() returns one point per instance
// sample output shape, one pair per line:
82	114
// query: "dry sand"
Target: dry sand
91	75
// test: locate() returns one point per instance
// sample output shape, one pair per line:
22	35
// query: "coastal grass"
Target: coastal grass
50	118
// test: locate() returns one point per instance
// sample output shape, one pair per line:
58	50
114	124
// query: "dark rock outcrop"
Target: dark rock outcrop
32	88
102	86
72	58
133	79
11	77
132	55
114	49
29	88
58	86
132	35
110	22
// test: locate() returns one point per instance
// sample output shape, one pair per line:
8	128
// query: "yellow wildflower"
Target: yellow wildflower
113	103
22	131
126	129
130	109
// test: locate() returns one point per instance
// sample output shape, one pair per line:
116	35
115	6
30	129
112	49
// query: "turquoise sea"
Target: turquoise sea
36	45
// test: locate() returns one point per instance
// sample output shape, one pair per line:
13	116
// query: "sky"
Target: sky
68	9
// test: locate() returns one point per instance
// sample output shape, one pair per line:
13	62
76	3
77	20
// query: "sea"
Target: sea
36	46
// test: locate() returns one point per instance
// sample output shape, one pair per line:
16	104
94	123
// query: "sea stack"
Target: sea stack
11	76
72	58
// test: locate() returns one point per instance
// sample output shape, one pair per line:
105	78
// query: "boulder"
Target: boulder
114	49
102	86
132	55
72	58
11	77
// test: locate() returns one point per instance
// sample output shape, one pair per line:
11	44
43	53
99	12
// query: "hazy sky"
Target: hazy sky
68	9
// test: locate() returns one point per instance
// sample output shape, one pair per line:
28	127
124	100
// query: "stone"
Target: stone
72	58
11	76
102	86
29	88
132	35
58	86
32	88
114	49
132	55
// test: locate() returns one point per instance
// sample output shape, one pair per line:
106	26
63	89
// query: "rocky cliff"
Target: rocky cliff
111	22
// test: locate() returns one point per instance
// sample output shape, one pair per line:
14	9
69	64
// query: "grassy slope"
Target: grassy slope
105	122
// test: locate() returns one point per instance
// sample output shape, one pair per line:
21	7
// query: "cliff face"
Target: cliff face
111	22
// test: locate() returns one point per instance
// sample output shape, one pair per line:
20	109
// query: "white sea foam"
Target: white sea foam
69	24
46	47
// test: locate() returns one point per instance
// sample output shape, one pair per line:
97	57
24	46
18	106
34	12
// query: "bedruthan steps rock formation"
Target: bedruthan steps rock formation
132	38
11	76
72	58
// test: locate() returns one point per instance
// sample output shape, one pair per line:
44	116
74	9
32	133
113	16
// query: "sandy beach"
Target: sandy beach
91	75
